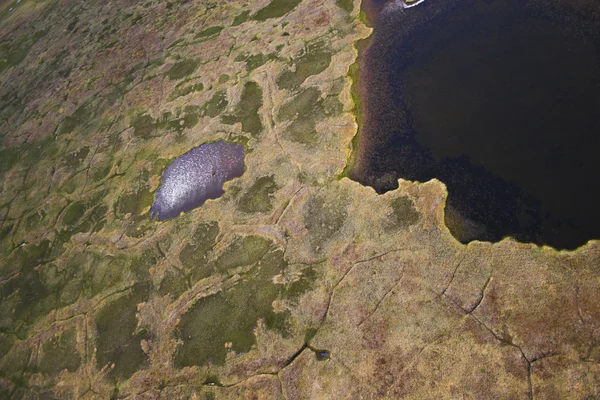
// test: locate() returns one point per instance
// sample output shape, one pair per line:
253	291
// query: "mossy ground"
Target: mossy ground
246	111
275	9
316	58
118	337
291	259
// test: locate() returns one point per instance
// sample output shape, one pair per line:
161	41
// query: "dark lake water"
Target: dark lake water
500	101
197	176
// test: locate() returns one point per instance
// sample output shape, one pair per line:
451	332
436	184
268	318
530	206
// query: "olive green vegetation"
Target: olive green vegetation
134	202
255	60
404	213
80	117
181	69
75	158
140	225
118	339
241	18
276	9
223	78
173	284
231	316
8	158
184	91
346	5
246	111
194	256
12	368
316	60
303	110
41	286
13	52
30	294
77	219
324	218
146	127
59	353
357	108
216	104
213	30
245	250
259	196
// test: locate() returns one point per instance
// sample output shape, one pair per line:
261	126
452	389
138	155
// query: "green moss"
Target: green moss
258	198
195	255
332	105
245	250
118	340
75	158
357	105
184	91
6	343
246	111
60	353
75	280
146	127
276	9
310	334
316	60
404	213
303	105
255	60
134	202
216	104
80	117
75	223
324	218
304	283
232	316
223	78
182	69
108	273
29	295
304	110
74	213
173	285
8	159
143	126
139	226
141	265
213	30
346	5
14	52
241	18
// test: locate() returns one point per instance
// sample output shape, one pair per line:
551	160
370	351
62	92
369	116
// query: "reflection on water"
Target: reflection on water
197	176
499	100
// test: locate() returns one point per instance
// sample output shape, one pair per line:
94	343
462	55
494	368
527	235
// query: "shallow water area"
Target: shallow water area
497	100
197	176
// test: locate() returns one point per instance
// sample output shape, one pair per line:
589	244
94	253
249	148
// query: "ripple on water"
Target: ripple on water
197	176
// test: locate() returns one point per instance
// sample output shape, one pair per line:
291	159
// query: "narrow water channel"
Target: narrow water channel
500	101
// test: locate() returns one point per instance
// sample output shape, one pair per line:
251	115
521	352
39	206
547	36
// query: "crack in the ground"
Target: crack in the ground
396	283
481	296
512	344
452	277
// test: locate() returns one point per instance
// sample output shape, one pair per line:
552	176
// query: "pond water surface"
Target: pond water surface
500	101
197	176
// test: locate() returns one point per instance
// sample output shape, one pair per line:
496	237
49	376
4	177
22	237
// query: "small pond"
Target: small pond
197	176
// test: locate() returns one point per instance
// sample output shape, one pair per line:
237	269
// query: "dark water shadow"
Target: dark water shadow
500	101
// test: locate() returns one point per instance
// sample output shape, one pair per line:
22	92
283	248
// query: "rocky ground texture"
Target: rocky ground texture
295	284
